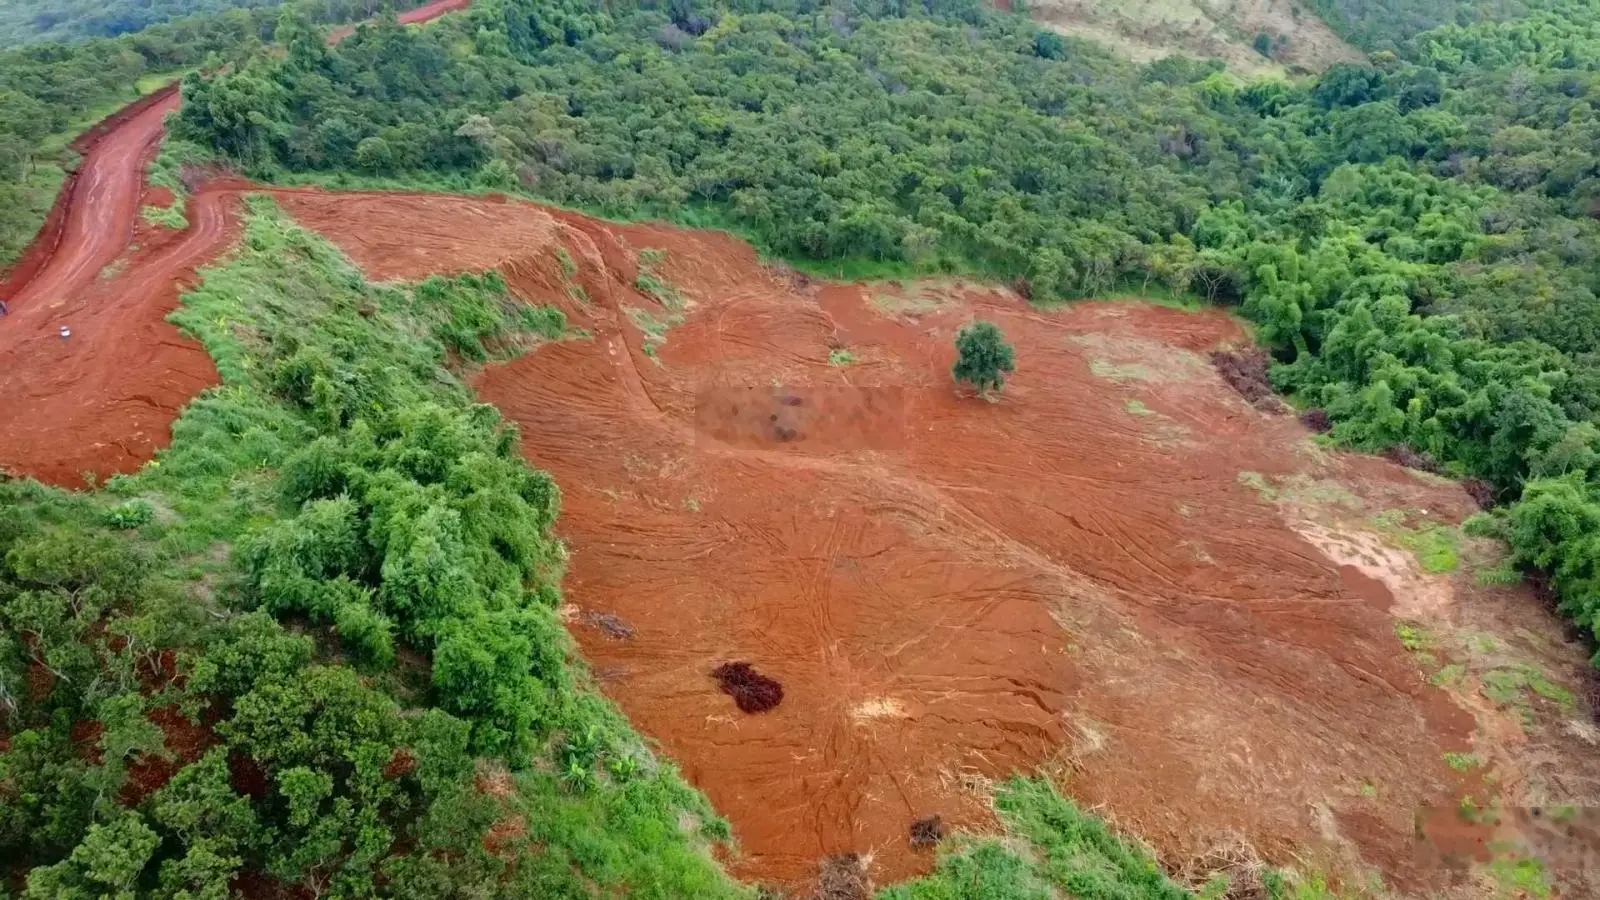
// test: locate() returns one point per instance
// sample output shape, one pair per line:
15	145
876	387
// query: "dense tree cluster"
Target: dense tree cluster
1415	236
1387	24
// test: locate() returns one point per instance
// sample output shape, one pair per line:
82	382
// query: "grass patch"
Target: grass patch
1258	482
1513	687
1137	408
653	327
1300	489
913	298
652	283
1128	359
1519	876
166	171
564	260
1501	574
1413	637
1101	368
839	358
1462	762
1069	853
165	216
1437	548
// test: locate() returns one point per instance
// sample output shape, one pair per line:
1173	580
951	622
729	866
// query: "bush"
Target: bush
983	358
130	514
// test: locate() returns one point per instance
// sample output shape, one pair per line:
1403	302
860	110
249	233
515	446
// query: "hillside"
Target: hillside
1230	30
526	455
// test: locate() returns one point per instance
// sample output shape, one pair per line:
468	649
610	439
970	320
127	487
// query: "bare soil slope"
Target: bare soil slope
1144	30
1120	571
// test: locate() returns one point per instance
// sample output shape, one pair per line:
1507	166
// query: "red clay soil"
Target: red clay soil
103	401
185	742
949	590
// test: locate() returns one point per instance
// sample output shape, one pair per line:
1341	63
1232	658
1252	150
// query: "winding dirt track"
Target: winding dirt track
102	402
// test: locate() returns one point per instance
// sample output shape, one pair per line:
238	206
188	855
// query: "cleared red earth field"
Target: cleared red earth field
1121	572
1201	623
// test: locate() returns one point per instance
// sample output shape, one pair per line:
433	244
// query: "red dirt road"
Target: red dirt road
425	13
103	401
1079	577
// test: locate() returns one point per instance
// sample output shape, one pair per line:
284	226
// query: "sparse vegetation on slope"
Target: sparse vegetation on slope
1250	36
1069	852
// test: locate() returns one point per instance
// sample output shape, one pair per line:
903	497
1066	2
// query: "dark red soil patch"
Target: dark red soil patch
503	835
927	832
247	776
401	763
85	737
750	690
185	742
1481	492
1317	420
157	670
1411	459
1246	372
38	680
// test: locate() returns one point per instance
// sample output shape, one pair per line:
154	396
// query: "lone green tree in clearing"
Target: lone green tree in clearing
983	358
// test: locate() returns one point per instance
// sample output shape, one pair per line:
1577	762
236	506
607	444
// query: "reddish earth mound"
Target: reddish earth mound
1080	575
751	691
